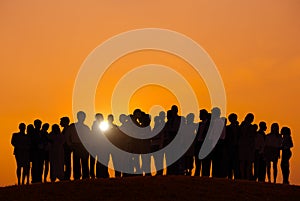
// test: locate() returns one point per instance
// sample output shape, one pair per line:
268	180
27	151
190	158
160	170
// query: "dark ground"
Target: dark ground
152	188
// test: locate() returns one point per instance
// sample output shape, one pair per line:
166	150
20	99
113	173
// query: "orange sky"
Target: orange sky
255	45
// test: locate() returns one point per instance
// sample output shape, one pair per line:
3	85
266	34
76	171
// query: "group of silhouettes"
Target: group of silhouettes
238	151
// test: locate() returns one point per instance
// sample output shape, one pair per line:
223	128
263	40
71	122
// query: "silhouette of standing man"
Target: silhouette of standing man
38	152
64	122
80	154
21	143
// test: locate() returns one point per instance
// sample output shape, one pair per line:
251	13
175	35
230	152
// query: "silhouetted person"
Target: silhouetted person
113	135
145	143
190	129
80	154
260	163
287	144
64	123
272	150
252	177
96	131
56	154
125	128
171	130
102	156
45	141
38	154
135	146
202	165
232	137
30	134
157	140
246	146
21	143
218	125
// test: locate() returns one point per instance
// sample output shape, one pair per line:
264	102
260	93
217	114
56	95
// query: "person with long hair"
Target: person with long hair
287	144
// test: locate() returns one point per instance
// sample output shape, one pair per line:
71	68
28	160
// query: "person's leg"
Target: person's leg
76	165
261	169
92	166
23	174
275	170
256	166
146	164
46	170
198	166
28	174
206	166
287	166
230	167
158	161
19	175
268	164
236	164
40	167
67	161
85	165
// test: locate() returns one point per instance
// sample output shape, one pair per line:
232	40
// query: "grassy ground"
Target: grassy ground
152	188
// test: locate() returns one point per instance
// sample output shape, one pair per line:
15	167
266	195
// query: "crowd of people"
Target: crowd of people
239	151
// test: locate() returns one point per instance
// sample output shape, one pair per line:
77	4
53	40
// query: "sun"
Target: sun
103	126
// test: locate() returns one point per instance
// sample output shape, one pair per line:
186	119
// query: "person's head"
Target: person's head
37	124
22	127
137	113
190	118
275	128
262	126
216	112
81	116
249	118
174	109
285	131
203	114
110	118
64	121
45	127
123	118
99	117
232	118
162	115
30	129
55	129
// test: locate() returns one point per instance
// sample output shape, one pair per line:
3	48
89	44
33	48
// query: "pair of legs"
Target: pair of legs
80	162
268	163
22	173
285	165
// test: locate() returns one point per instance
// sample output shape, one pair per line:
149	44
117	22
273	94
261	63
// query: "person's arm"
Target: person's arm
68	136
13	140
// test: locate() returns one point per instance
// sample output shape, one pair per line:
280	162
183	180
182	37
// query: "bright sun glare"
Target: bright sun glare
103	125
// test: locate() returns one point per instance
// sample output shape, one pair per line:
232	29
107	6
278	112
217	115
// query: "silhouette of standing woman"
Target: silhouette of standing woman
272	150
287	144
56	154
